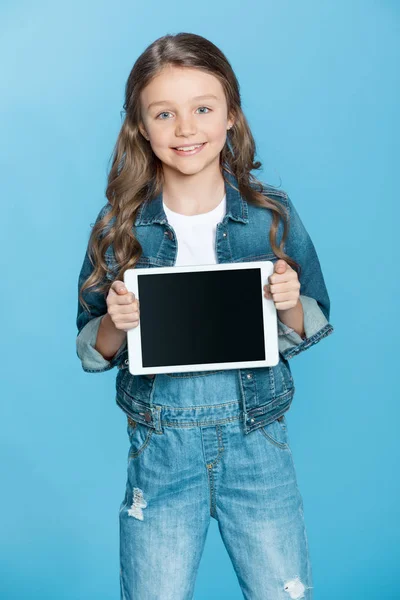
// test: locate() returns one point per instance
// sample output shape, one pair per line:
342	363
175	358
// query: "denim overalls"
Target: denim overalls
212	443
202	465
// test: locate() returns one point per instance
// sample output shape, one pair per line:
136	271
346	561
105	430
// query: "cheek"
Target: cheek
160	137
216	132
160	143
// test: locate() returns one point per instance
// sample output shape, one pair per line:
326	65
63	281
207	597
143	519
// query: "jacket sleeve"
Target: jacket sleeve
88	323
313	293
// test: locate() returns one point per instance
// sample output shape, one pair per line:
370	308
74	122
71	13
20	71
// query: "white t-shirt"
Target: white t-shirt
196	235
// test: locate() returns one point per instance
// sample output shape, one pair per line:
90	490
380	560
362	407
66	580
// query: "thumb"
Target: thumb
119	287
280	266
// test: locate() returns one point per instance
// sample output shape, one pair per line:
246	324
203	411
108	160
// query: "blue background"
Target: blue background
320	90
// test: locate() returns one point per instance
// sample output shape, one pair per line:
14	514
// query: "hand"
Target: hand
122	306
284	286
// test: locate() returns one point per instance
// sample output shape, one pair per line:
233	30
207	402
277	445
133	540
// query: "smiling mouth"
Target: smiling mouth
186	148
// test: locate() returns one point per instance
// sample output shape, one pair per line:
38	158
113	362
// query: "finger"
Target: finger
283	305
285	297
122	319
281	265
125	325
280	277
119	287
123	309
128	298
287	286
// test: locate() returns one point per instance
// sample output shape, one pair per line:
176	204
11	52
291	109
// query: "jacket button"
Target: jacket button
224	234
251	420
249	375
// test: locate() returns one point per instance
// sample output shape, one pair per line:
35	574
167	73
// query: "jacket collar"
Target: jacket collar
152	211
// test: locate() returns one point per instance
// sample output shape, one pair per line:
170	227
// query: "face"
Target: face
185	107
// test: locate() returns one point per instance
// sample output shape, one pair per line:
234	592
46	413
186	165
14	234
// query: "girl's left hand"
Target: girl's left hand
284	286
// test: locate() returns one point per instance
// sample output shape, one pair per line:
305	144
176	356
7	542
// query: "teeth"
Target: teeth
187	149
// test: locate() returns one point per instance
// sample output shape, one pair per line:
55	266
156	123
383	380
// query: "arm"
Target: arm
94	337
293	318
314	298
109	338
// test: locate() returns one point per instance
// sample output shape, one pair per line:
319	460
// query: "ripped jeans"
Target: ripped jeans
202	465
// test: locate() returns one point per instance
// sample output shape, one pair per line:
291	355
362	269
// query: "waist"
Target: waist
196	390
192	416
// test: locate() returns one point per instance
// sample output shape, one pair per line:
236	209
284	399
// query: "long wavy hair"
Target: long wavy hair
136	174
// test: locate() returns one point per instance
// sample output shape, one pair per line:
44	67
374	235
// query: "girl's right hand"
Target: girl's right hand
122	306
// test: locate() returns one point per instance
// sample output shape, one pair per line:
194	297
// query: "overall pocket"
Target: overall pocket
276	433
139	437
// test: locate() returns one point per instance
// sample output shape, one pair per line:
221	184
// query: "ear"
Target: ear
143	131
231	122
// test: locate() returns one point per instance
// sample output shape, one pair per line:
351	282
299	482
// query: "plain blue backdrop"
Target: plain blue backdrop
320	88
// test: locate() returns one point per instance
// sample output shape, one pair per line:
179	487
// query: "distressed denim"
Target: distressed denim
241	236
197	464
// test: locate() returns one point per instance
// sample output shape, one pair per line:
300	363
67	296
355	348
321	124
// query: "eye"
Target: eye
168	113
163	113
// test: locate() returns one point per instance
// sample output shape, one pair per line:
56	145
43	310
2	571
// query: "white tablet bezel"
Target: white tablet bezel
269	320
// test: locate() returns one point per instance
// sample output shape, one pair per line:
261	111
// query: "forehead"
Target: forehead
181	85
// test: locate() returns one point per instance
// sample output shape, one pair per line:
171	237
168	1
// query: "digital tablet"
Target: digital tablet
201	318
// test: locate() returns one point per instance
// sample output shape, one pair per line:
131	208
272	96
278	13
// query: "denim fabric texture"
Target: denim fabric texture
199	464
242	236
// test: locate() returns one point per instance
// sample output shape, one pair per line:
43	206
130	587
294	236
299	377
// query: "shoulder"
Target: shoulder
272	192
103	211
268	189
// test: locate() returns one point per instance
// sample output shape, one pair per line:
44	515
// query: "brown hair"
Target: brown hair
136	173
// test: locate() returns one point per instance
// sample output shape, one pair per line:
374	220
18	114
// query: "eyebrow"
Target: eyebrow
195	98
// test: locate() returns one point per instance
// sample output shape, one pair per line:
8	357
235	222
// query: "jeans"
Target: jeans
202	465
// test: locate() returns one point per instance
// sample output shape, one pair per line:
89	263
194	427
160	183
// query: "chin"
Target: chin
189	171
191	167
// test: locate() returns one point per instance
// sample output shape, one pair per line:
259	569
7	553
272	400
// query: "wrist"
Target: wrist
109	338
293	318
108	325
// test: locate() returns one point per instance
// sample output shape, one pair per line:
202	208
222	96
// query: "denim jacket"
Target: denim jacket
242	236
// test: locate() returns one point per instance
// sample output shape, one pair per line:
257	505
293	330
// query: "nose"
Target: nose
185	127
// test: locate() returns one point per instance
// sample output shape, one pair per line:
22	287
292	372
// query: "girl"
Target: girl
210	443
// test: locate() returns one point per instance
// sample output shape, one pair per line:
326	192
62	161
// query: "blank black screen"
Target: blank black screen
202	317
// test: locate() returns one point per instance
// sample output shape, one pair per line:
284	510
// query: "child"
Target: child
210	443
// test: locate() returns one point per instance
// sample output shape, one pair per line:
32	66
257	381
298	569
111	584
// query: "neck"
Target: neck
193	194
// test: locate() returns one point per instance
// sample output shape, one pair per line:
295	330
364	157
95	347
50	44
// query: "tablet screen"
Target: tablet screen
201	317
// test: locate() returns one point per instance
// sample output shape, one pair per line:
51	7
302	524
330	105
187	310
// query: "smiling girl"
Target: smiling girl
210	443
